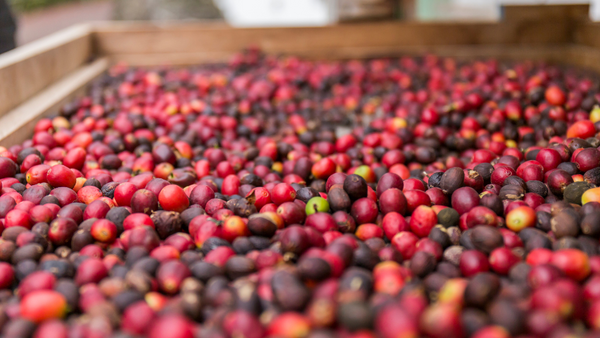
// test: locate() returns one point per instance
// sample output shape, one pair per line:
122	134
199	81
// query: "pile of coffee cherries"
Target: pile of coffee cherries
278	197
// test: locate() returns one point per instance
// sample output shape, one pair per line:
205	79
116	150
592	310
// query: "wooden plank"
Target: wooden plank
588	34
127	38
143	38
19	122
553	53
582	56
26	70
575	12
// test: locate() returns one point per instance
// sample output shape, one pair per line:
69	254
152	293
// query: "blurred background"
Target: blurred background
36	18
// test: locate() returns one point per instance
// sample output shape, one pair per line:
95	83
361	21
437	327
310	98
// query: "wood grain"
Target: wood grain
142	39
553	53
18	123
521	26
582	56
26	70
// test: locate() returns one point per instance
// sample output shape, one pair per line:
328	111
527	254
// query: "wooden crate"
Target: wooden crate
36	79
358	10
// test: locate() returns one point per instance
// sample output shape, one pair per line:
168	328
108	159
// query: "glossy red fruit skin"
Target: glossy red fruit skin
406	243
511	239
392	200
88	194
96	209
171	325
92	250
548	158
539	256
413	184
502	260
231	185
291	213
29	162
591	289
8	167
282	193
42	305
593	315
473	262
368	230
141	236
173	198
37	280
345	222
64	195
500	174
37	174
234	227
260	195
437	196
61	176
492	331
532	172
40	213
144	201
464	199
555	96
574	263
394	223
364	210
323	168
543	275
75	158
422	221
430	246
201	194
104	231
337	178
581	129
289	325
321	221
415	198
394	321
558	180
388	181
587	159
91	270
137	220
52	329
533	200
473	180
7	275
441	320
61	230
136	318
123	193
243	322
219	256
481	216
170	275
18	217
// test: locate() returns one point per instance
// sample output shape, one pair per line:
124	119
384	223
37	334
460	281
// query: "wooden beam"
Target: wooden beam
26	70
584	57
553	53
587	34
17	125
133	38
522	25
543	12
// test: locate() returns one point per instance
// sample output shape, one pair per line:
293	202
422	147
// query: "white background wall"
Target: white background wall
253	13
